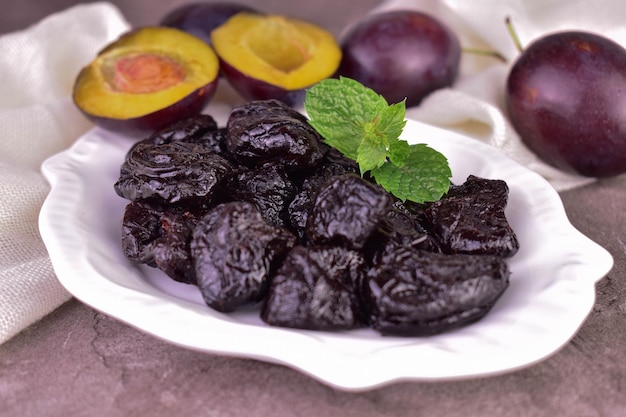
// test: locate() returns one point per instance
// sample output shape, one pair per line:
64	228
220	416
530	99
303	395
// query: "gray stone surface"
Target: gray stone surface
79	362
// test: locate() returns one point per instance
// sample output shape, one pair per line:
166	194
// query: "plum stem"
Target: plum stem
513	33
493	54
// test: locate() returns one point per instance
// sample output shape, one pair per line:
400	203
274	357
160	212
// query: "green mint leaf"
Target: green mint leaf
342	110
391	122
371	155
398	152
423	176
360	124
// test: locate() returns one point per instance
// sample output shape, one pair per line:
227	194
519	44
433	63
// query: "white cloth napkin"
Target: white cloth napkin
475	103
37	119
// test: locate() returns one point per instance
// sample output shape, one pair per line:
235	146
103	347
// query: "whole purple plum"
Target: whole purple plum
401	54
566	98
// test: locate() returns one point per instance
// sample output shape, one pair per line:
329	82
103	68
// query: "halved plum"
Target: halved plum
200	18
266	56
148	78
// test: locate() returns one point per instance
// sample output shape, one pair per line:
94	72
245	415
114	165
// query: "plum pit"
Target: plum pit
143	73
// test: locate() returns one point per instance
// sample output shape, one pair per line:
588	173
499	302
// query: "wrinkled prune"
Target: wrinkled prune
347	211
172	173
213	140
141	226
269	188
315	288
233	251
471	218
332	165
260	108
399	228
185	130
159	238
256	136
413	293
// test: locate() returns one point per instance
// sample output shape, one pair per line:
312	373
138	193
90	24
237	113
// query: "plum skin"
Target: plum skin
401	54
251	88
565	96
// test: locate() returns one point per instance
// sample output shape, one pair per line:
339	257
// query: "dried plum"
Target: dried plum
471	218
172	173
159	237
347	211
399	228
233	251
315	288
415	293
257	136
268	187
141	226
185	130
333	164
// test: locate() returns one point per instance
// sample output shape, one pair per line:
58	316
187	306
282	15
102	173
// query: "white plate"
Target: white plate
551	292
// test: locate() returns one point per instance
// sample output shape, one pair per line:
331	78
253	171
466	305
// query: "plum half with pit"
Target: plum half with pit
401	54
566	98
265	56
147	79
199	19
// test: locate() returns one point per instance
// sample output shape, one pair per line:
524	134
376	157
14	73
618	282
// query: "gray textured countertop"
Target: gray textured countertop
79	362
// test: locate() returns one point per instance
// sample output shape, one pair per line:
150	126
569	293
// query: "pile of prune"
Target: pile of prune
263	212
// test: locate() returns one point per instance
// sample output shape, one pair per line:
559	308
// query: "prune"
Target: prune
399	228
414	293
185	130
315	288
347	211
233	251
141	226
268	187
171	173
213	140
159	237
256	136
333	164
260	108
471	218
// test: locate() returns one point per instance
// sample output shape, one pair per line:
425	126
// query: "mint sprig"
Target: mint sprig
364	127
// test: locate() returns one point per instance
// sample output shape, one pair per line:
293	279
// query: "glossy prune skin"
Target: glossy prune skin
186	130
471	218
159	237
347	211
234	252
418	293
268	187
175	172
399	228
333	164
141	226
256	136
315	288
